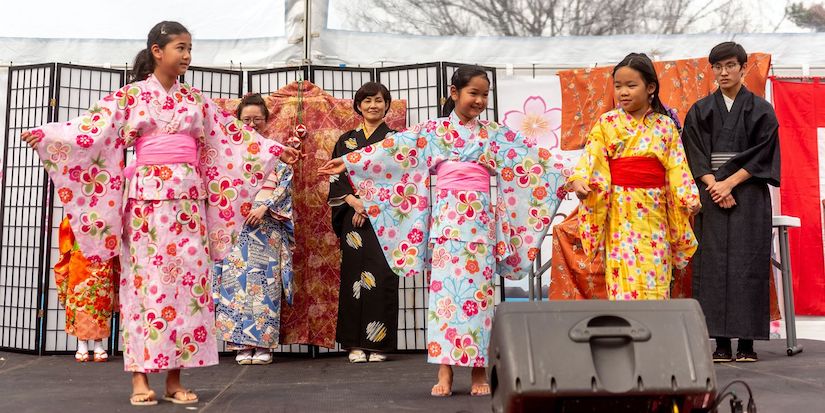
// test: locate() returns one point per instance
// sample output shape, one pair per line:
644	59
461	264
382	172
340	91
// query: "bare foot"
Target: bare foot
143	399
175	392
479	386
140	383
444	387
142	395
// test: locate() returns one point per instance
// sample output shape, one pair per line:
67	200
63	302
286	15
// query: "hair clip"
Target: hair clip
163	29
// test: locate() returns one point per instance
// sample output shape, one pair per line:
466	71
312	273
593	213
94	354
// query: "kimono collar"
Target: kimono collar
155	84
647	119
720	96
472	125
363	127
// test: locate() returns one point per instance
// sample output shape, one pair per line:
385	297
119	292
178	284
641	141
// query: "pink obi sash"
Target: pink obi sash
462	176
164	149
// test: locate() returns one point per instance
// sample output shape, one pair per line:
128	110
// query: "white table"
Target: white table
782	223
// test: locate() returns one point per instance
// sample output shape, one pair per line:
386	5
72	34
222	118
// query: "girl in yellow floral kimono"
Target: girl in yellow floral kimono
637	193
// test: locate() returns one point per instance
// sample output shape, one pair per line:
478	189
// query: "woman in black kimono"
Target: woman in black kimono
368	299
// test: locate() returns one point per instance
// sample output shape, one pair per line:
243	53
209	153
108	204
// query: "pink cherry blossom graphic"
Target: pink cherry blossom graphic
536	122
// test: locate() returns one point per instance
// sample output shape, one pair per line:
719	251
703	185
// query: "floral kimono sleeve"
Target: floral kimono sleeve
528	183
339	186
594	169
234	161
681	192
280	205
84	158
395	178
280	202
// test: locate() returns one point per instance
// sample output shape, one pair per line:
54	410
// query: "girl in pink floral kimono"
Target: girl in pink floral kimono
195	166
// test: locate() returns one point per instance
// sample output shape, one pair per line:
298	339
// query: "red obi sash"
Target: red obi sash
637	172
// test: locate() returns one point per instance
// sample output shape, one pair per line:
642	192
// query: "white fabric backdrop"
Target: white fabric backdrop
532	106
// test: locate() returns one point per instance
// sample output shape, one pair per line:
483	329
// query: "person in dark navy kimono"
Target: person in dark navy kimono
732	145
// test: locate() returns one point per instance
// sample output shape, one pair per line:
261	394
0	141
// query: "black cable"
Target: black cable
736	405
720	399
724	393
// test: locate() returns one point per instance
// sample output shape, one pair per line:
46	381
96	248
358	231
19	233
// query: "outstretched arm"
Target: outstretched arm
332	167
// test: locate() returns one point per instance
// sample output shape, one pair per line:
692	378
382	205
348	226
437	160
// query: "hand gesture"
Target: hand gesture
358	220
332	167
291	155
720	190
356	204
694	207
727	202
360	215
256	216
30	139
580	188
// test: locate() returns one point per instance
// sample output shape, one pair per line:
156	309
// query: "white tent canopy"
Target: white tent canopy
87	19
265	34
270	33
260	32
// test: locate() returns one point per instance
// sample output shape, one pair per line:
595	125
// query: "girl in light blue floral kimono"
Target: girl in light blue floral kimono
463	240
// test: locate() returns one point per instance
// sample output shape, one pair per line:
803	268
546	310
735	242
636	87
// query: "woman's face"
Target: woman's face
253	116
373	108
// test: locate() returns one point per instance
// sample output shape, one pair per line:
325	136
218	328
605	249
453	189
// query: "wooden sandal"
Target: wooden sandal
170	397
143	399
81	357
101	356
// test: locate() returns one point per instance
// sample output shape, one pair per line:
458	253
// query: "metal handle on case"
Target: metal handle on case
582	332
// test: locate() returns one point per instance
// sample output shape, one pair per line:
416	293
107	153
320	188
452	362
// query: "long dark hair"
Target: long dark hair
461	78
160	35
253	99
642	64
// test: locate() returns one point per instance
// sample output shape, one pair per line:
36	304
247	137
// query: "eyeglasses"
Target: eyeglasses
247	121
730	67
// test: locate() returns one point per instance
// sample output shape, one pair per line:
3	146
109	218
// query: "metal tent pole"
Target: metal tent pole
307	32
